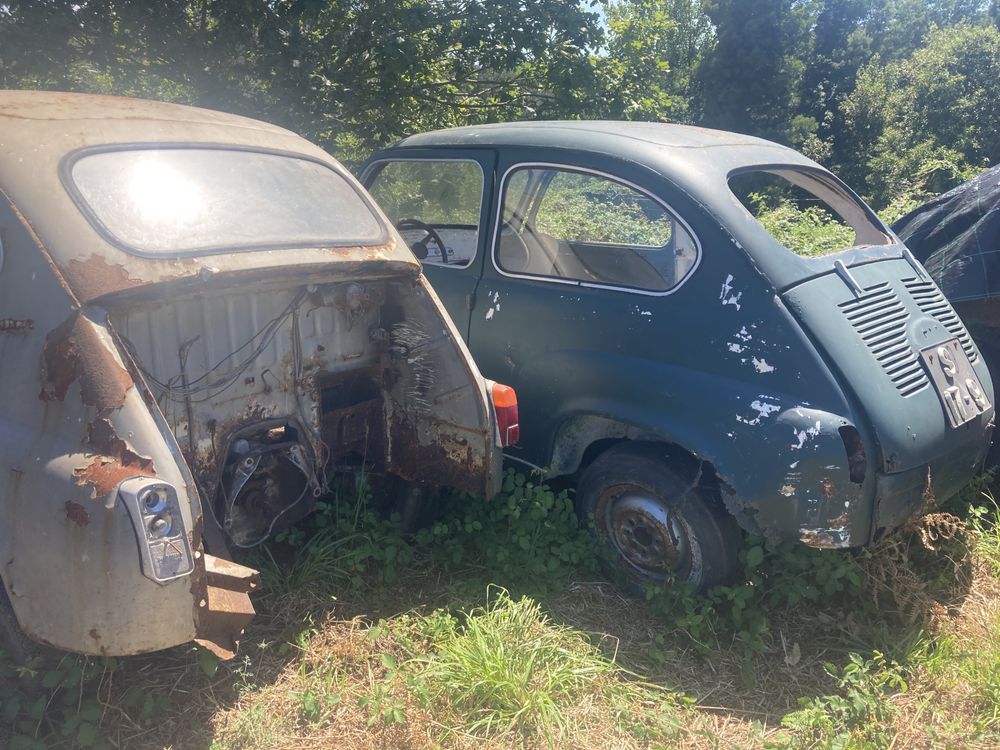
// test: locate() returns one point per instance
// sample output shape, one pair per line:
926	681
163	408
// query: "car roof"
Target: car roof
19	109
38	129
681	152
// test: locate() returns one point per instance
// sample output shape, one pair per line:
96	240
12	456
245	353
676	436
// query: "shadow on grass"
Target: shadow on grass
745	674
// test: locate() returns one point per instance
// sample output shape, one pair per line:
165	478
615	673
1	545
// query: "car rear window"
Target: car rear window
172	201
807	211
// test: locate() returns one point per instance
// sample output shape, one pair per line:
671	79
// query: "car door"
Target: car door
435	197
565	310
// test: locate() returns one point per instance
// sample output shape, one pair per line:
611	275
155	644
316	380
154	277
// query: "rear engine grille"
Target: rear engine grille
930	300
880	320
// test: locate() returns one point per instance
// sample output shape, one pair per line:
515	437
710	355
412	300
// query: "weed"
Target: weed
984	520
341	545
529	533
861	717
507	668
48	703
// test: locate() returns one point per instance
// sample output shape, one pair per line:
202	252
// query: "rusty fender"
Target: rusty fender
213	606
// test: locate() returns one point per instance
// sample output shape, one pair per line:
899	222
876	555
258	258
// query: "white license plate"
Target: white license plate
961	392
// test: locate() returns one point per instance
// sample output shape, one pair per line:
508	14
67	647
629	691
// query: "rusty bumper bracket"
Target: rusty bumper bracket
223	607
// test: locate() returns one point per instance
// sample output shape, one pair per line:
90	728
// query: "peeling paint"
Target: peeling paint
787	490
761	365
825	538
727	296
73	352
763	409
803	436
95	276
113	461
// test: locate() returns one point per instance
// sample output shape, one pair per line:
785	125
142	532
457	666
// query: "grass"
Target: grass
368	639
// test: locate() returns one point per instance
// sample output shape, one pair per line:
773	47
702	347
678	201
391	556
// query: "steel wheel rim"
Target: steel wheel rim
649	537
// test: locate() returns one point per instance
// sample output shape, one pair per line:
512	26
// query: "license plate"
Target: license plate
956	383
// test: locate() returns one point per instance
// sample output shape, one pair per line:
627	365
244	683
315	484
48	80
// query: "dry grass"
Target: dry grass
311	667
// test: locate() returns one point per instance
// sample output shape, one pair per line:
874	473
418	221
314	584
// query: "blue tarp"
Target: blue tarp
957	238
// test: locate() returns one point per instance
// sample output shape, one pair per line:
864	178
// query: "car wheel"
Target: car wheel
658	526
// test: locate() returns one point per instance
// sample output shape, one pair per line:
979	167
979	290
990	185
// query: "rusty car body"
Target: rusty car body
674	357
204	319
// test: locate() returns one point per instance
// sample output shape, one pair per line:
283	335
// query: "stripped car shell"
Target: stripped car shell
174	385
692	368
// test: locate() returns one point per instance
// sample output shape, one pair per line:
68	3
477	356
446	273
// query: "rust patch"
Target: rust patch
114	461
102	439
205	462
94	277
817	539
16	325
77	513
827	488
104	474
435	465
74	352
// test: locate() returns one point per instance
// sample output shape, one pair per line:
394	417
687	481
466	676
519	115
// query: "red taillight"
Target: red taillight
505	406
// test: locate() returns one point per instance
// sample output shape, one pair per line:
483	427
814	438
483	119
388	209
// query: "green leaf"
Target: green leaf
755	556
208	662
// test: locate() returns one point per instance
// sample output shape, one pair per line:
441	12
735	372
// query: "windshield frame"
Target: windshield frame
68	161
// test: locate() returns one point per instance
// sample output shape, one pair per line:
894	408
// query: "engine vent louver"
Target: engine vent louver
932	302
879	319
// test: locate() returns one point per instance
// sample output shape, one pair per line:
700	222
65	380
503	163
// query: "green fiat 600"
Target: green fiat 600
689	370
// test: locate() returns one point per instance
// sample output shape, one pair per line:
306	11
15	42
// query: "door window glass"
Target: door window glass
591	229
433	202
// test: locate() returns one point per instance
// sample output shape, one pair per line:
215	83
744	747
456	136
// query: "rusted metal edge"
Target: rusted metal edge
223	608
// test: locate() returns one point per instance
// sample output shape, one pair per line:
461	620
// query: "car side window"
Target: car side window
592	229
435	205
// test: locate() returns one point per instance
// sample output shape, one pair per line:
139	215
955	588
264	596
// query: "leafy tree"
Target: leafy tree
653	48
929	122
896	28
839	49
750	78
367	71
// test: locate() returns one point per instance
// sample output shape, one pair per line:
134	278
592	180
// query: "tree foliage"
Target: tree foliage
929	121
895	95
750	77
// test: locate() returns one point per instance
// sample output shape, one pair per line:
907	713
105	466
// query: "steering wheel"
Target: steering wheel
419	247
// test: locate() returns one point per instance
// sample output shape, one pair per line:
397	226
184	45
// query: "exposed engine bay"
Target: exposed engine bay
272	393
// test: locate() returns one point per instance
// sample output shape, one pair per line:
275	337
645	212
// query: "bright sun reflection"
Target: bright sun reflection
162	194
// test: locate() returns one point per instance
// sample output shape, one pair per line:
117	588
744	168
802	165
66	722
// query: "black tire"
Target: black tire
659	527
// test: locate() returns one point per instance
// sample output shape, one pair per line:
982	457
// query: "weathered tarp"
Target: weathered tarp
957	238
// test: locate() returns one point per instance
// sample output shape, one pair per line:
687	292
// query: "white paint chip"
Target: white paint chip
726	295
